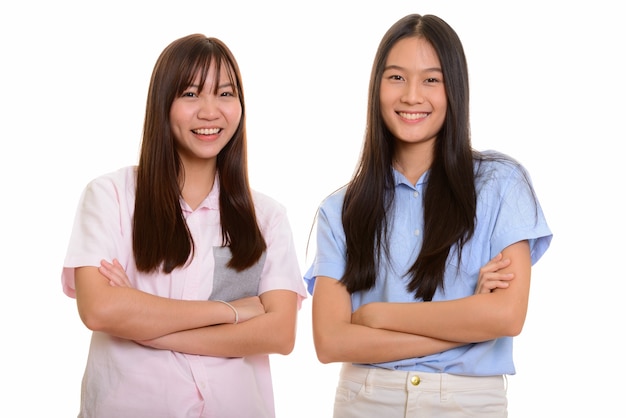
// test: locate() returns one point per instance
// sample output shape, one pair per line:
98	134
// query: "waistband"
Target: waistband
423	380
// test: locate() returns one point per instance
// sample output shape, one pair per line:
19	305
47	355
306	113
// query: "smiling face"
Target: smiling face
412	92
203	121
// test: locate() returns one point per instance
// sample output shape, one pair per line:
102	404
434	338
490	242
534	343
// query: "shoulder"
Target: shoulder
496	167
495	160
263	201
331	208
334	201
500	178
125	176
118	185
267	208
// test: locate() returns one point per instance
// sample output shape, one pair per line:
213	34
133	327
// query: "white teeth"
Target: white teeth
413	116
211	131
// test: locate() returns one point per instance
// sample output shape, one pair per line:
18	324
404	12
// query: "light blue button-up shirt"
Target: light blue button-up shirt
507	212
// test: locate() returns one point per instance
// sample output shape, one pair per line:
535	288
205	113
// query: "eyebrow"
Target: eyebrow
397	67
220	86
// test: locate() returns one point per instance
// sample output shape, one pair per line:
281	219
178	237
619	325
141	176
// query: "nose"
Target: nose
209	107
413	93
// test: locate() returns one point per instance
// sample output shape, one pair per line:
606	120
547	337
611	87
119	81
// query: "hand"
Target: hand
115	273
490	279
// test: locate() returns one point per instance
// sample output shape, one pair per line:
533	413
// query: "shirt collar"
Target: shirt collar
400	179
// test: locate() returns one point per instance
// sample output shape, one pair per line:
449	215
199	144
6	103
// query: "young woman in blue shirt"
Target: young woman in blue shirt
401	248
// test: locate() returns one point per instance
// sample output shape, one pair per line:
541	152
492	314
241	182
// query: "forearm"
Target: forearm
256	336
361	344
464	320
338	339
132	314
268	333
476	318
138	316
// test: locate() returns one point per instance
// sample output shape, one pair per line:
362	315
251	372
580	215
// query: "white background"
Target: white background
547	87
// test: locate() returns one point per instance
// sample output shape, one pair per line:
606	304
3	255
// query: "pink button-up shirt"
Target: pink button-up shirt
125	379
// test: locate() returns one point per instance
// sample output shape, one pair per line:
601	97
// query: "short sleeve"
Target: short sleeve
330	256
100	226
281	269
520	216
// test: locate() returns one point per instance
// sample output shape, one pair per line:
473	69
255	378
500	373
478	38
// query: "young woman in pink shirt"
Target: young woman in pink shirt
187	277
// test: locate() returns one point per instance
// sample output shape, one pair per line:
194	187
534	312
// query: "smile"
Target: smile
211	131
412	116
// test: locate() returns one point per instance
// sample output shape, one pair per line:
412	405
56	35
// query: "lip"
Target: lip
212	131
412	117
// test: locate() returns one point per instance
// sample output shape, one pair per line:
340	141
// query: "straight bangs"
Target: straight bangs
207	53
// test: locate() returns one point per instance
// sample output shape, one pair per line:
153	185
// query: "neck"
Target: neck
197	182
412	161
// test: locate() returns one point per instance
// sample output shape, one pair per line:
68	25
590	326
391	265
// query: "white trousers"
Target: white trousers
379	393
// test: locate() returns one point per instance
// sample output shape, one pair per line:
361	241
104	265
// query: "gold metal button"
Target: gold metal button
415	380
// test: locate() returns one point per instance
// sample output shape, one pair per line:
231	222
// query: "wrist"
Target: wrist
233	309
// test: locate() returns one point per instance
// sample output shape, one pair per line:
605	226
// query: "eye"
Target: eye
396	77
226	90
432	80
188	93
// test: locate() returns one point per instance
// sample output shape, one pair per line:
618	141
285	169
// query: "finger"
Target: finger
114	273
503	263
498	277
489	281
120	272
499	285
105	270
111	276
494	266
484	287
491	285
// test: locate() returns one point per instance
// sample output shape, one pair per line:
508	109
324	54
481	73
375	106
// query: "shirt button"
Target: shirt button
415	380
416	193
416	232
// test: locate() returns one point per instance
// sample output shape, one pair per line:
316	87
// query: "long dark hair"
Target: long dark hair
161	238
450	194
